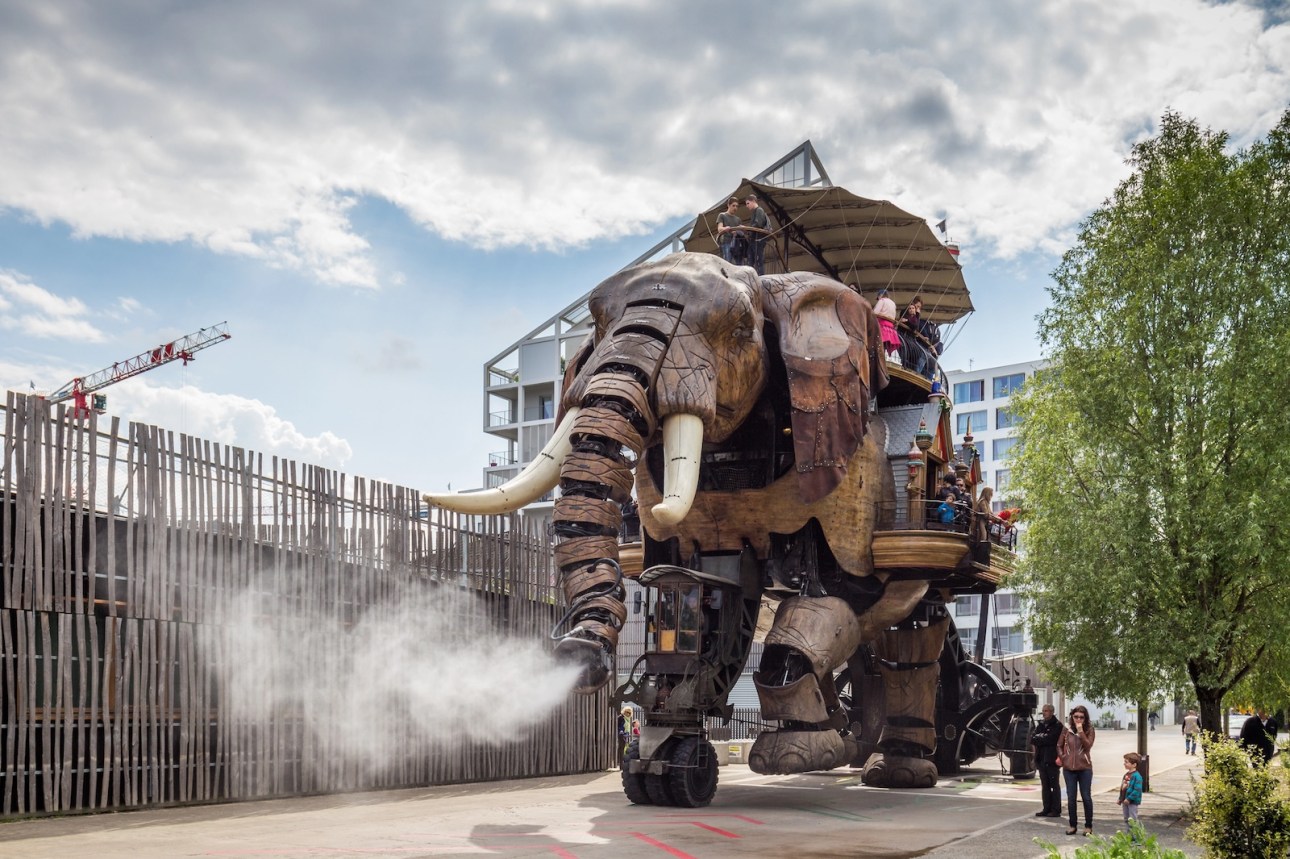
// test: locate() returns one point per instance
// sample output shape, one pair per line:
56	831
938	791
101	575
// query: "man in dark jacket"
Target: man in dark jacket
1044	739
1259	733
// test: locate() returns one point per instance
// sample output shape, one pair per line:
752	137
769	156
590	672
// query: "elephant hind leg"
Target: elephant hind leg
907	661
810	636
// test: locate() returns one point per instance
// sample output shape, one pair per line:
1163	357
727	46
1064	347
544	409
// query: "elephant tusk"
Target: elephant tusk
682	446
538	477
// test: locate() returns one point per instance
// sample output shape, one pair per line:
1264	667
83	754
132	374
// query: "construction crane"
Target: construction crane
81	390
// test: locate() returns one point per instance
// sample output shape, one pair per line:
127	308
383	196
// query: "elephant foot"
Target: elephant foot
591	655
788	752
898	771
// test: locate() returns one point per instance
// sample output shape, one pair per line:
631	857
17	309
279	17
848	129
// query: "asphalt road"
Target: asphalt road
979	813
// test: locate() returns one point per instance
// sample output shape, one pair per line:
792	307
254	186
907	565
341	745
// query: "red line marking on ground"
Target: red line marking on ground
661	846
742	817
715	829
562	853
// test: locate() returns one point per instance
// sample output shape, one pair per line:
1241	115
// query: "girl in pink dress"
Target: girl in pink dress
885	310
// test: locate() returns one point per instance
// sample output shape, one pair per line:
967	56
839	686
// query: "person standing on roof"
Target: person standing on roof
757	241
727	228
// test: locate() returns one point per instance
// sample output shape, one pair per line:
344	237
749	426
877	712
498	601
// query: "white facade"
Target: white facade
981	399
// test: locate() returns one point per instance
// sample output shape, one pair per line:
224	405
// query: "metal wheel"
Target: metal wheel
634	783
693	776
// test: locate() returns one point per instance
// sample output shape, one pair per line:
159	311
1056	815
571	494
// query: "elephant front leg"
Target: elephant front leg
595	479
810	636
908	662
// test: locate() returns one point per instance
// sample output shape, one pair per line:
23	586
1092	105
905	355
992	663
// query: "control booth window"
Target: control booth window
676	619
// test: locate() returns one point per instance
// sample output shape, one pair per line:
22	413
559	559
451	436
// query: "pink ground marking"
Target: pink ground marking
661	846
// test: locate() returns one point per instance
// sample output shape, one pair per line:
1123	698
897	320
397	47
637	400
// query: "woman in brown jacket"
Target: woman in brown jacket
1075	750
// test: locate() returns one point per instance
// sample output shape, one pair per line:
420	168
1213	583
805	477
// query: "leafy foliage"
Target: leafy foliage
1240	808
1123	845
1155	451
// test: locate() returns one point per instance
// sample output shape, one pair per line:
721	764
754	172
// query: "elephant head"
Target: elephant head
678	357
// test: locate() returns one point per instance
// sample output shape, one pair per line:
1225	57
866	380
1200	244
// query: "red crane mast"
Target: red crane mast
81	388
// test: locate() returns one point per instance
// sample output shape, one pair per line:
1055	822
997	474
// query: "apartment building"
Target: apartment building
981	398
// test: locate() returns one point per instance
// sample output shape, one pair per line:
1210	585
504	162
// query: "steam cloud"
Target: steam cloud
432	667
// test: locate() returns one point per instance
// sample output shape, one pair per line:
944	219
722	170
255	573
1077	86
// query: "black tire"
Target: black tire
634	783
659	790
1021	757
693	774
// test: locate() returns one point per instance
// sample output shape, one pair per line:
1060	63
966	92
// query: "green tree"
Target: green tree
1155	451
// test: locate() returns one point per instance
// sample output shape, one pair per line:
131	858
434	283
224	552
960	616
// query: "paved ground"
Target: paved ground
980	813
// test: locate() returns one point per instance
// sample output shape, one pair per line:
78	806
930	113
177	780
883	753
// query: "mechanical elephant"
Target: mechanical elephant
740	408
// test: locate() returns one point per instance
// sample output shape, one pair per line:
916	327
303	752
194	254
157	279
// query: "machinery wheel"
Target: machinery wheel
634	783
659	790
693	775
1021	760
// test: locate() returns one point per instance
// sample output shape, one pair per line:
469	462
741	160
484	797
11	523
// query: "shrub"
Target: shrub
1239	809
1122	845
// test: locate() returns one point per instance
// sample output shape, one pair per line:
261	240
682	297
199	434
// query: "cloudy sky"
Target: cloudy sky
380	197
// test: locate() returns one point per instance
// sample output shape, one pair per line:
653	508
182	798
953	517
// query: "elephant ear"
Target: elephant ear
828	338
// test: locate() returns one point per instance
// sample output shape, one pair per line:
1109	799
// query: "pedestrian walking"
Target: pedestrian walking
1190	730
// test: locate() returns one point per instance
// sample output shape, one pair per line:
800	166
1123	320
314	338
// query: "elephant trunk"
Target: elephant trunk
607	437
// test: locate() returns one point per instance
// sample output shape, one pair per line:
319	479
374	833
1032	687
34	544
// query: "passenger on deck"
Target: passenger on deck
727	224
757	241
982	516
949	487
912	353
885	310
947	511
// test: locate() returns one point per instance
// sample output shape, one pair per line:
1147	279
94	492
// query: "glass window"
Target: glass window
1007	603
968	604
1003	447
969	392
1003	419
687	633
973	421
1008	639
1006	386
1001	478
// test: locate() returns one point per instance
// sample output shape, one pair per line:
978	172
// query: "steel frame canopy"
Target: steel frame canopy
866	244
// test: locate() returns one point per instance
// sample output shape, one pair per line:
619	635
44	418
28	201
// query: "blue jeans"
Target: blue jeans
1189	743
1083	778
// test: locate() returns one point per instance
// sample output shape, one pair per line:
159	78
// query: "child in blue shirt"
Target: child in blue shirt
945	512
1131	788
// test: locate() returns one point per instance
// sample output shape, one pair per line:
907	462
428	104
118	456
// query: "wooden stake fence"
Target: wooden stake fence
130	562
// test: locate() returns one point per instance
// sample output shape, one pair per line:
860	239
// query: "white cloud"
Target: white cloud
33	310
227	419
254	129
223	418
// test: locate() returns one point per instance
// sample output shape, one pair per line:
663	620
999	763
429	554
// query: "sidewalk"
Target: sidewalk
1161	813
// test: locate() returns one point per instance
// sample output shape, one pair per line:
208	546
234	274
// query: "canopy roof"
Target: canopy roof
867	244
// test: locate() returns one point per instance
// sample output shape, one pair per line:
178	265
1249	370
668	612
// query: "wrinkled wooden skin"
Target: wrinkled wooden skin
685	335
